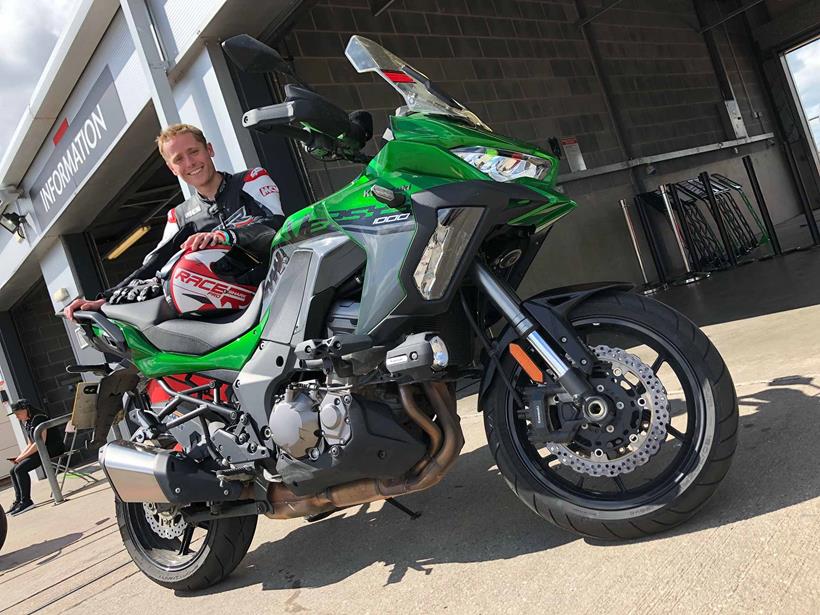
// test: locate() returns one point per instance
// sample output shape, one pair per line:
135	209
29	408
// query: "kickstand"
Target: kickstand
404	509
320	516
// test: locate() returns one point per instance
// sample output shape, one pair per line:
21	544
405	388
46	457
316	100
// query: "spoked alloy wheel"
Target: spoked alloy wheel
178	555
656	457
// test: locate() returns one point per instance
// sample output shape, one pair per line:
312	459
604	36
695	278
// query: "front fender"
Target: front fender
551	310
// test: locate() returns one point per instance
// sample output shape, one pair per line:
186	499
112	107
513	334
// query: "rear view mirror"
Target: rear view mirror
253	56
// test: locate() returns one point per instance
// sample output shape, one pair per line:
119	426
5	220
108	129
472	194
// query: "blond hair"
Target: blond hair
178	129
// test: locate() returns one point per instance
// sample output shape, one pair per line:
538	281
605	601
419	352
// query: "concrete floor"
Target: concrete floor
754	547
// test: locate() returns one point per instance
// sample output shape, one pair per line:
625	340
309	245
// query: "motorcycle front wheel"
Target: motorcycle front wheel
661	454
178	555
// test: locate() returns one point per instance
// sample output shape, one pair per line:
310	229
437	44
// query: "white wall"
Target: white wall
179	22
206	97
8	443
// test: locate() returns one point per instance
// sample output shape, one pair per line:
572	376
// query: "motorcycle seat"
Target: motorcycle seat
143	314
164	330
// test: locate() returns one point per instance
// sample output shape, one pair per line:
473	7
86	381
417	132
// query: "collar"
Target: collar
222	185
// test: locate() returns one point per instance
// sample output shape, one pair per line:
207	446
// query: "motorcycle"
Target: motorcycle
609	414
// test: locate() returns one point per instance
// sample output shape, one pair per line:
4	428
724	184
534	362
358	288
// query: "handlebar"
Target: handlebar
278	118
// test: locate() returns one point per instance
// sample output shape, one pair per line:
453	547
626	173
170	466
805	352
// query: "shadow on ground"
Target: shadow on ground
50	547
780	284
474	517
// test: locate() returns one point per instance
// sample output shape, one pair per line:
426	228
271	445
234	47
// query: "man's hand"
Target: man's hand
82	304
200	241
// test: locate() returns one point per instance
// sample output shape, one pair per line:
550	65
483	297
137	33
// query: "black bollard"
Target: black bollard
724	235
761	205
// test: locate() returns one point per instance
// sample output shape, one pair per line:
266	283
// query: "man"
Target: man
245	204
29	459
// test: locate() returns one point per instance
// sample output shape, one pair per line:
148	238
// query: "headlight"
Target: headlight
444	250
503	165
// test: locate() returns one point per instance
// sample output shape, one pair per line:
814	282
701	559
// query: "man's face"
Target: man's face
190	160
21	414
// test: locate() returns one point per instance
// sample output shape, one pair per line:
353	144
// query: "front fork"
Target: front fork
574	381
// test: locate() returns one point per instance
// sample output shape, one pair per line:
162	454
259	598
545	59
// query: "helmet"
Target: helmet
209	281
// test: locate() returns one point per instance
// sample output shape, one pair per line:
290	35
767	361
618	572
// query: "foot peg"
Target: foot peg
100	370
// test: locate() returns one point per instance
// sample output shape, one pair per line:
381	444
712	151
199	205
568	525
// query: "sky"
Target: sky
29	29
804	64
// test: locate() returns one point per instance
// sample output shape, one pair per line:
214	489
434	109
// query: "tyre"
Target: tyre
3	526
180	556
668	442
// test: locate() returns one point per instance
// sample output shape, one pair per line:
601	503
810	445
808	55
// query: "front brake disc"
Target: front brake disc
644	444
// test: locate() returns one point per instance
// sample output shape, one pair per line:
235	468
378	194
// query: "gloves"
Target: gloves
136	291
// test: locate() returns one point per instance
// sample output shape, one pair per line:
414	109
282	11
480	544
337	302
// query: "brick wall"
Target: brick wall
524	68
48	351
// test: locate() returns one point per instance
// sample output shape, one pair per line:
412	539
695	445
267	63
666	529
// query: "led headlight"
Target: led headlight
503	165
444	250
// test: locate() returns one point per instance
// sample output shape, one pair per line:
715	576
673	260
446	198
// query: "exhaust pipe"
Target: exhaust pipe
446	447
139	473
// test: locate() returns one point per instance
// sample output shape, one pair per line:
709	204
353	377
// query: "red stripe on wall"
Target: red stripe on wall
60	132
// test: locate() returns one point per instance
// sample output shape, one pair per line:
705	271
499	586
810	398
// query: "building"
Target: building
651	92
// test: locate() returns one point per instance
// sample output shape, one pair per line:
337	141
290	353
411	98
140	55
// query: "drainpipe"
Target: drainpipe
606	91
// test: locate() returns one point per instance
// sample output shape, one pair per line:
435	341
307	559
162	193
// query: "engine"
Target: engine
327	438
307	422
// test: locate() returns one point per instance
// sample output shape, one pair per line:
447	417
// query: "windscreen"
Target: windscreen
418	92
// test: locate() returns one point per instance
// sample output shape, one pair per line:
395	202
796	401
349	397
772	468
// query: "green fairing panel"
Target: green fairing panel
422	145
417	159
153	362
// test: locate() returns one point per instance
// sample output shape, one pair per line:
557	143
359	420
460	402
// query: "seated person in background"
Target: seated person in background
246	205
29	459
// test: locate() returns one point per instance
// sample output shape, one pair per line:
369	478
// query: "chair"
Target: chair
62	462
82	419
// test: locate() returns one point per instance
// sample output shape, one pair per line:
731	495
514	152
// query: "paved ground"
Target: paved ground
755	547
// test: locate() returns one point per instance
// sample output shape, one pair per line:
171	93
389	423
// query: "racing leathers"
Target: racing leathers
246	207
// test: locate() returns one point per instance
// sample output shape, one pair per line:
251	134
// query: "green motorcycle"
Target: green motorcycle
608	413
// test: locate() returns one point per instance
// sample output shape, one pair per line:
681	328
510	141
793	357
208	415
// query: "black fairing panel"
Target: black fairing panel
559	301
379	448
495	199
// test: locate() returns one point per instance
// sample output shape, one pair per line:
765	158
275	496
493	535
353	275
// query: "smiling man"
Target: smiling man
244	205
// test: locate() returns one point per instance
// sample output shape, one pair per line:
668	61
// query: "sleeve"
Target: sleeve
36	420
262	189
171	229
157	258
257	236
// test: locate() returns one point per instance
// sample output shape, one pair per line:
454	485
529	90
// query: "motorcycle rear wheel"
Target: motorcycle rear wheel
669	487
200	557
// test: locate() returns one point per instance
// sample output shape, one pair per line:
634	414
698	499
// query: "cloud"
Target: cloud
804	64
29	30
